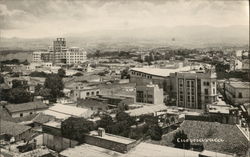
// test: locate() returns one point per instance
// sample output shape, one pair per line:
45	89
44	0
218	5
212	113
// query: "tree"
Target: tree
1	79
181	140
75	128
55	84
38	87
61	72
38	74
106	120
18	95
41	91
125	74
20	84
155	132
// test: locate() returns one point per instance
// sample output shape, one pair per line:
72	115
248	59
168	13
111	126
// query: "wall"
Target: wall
112	145
57	143
26	113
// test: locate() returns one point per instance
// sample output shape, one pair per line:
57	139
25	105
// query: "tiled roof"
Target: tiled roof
42	118
12	128
26	106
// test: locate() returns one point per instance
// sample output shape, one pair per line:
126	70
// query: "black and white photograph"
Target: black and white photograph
124	78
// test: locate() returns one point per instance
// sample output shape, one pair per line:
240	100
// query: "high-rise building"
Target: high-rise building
59	51
75	55
194	89
150	93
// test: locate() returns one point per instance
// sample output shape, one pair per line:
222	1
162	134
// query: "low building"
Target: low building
62	112
14	130
109	141
25	109
82	92
237	92
150	93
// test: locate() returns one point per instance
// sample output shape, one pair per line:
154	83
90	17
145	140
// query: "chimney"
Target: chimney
101	132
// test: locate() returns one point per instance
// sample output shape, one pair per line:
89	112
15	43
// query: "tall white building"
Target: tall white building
75	55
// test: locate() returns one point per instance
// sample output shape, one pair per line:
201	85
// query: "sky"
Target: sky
46	18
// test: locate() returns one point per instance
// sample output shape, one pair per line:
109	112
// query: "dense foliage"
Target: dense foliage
75	128
55	84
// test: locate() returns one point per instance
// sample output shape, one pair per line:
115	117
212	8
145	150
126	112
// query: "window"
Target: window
206	91
97	92
240	95
92	93
192	84
21	114
214	91
87	93
31	113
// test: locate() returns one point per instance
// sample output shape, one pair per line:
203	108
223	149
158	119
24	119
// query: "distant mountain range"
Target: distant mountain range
179	36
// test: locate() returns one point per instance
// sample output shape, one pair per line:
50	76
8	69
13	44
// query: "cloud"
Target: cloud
39	18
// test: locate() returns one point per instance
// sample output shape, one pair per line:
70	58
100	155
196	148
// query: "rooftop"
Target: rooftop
91	103
218	109
114	138
42	118
60	111
239	84
89	151
146	110
160	72
12	128
26	106
233	141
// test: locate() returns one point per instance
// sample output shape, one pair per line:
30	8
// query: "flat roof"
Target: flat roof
146	110
240	84
149	150
210	153
218	109
160	72
114	138
89	151
54	124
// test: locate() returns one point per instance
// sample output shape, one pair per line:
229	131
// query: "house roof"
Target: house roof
42	118
26	106
60	111
232	139
11	128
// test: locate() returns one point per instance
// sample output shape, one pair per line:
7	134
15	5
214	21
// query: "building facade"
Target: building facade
82	92
237	92
150	93
194	89
75	55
